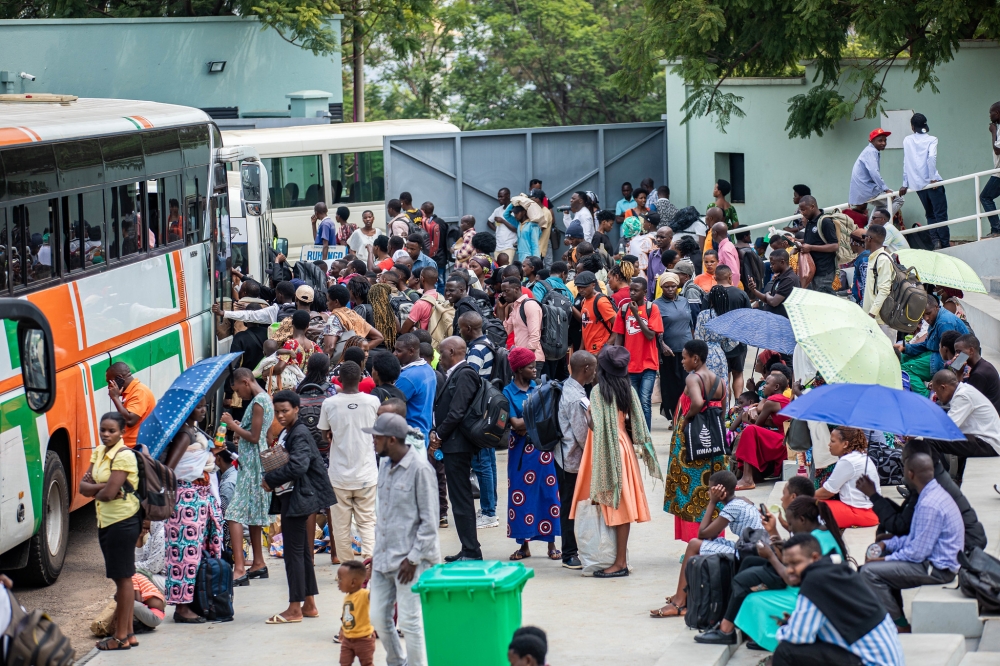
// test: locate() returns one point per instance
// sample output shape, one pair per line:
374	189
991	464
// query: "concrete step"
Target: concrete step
932	649
983	313
938	609
683	650
990	640
980	659
745	657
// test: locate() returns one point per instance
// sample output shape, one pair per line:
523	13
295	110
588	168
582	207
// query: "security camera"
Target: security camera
26	76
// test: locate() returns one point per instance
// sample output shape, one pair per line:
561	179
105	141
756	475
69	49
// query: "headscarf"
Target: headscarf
385	320
631	227
606	479
486	263
519	357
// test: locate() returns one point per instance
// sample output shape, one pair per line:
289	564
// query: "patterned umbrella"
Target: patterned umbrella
942	269
756	328
180	399
844	343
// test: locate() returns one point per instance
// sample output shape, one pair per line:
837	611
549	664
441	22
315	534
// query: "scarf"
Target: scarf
351	321
840	594
606	479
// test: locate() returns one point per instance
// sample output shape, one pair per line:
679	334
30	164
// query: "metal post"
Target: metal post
979	213
459	178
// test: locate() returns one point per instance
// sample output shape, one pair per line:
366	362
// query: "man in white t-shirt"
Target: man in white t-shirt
504	227
578	211
353	473
974	415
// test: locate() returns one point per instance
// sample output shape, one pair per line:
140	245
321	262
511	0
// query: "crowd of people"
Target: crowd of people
363	371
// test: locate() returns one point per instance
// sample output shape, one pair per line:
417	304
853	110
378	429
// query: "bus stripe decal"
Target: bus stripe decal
30	132
89	406
170	278
81	334
181	291
133	121
145	123
10	136
188	345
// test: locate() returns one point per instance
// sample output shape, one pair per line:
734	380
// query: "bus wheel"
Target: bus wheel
48	547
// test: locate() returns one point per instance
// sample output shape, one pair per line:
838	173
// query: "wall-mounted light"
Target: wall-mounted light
216	66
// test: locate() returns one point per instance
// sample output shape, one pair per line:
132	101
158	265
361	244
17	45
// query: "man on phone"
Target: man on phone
131	398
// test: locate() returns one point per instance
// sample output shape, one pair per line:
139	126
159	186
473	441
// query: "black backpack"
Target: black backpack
492	327
213	589
709	585
311	397
979	578
487	423
556	313
541	415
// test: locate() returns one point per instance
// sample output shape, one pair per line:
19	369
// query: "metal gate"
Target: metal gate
462	172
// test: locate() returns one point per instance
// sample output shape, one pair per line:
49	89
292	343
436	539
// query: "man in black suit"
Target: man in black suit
454	397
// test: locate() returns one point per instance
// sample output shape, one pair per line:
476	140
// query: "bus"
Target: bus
115	224
340	164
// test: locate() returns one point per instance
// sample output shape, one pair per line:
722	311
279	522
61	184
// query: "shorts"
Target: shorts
737	358
118	546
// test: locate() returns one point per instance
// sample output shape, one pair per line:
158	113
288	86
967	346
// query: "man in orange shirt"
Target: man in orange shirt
594	311
707	279
131	398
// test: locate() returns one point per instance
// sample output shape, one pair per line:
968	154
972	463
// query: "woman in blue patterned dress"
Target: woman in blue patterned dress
533	494
717	345
250	504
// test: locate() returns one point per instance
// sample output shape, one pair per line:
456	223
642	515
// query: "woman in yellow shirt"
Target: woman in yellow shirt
111	480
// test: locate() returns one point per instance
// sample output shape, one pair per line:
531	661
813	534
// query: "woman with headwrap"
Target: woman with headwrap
482	267
385	319
609	470
533	494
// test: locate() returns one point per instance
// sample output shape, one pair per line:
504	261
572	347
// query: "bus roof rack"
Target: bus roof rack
37	98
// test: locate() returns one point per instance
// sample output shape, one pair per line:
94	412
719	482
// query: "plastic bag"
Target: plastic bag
596	541
807	269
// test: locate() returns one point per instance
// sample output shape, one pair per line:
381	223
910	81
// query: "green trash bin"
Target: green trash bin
471	610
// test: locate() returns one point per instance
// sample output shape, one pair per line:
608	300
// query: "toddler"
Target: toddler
357	636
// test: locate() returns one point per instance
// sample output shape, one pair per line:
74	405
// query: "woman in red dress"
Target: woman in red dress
761	445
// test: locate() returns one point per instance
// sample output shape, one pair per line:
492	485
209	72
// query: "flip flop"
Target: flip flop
280	619
555	555
311	617
519	555
658	612
742	488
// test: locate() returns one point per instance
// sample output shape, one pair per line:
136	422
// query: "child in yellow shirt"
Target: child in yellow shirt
357	636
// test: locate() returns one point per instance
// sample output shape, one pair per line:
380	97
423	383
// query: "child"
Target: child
357	636
734	418
148	609
526	649
736	513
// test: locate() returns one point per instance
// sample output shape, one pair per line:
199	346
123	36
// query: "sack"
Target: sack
705	431
979	578
33	639
541	416
889	462
311	397
487	423
104	624
157	491
797	437
709	586
442	319
903	308
275	457
597	543
213	589
844	226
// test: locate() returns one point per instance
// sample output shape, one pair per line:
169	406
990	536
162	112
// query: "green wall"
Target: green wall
957	115
165	60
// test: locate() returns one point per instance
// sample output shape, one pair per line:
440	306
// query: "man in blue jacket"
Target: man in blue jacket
923	359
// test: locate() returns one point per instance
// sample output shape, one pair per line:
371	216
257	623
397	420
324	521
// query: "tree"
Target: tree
852	42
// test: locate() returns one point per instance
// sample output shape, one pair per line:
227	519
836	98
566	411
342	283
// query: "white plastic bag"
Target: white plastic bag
596	541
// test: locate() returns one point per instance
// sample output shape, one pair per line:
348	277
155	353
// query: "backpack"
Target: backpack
541	415
979	578
556	311
157	491
501	374
310	406
442	318
889	463
487	423
598	295
903	308
709	585
213	589
844	226
33	639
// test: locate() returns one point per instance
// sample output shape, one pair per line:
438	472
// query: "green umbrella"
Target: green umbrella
844	343
942	269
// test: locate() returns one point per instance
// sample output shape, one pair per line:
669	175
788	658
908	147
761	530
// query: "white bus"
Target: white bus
339	164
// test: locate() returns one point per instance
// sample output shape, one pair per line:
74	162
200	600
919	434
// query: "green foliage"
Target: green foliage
852	43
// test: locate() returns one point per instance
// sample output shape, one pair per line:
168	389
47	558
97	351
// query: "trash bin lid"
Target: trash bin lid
474	575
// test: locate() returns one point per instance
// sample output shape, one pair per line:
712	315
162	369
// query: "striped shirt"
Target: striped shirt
480	356
807	624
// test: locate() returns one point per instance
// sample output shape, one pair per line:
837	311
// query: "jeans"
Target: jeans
643	383
484	466
886	578
386	592
936	210
990	192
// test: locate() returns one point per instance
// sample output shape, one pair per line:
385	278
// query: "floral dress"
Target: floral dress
716	360
250	504
300	353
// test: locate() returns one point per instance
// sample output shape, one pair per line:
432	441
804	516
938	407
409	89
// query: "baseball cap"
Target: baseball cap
305	294
583	278
683	266
388	425
875	133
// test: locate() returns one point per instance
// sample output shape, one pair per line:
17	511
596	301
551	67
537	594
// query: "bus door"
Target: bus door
254	192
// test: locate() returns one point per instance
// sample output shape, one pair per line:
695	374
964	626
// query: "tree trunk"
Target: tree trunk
358	64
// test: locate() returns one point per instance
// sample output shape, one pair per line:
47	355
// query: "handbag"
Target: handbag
797	437
275	457
704	433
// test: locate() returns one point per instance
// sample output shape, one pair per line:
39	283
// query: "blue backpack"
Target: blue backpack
213	590
541	416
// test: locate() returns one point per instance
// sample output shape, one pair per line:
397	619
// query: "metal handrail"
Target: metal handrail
889	196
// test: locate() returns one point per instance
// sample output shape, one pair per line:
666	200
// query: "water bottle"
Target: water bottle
220	436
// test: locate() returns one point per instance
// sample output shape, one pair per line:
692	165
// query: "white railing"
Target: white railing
781	222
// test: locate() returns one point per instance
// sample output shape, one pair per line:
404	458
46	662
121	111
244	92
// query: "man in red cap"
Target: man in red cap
866	177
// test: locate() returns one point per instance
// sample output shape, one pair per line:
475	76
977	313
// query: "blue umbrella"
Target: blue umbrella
875	407
180	399
756	328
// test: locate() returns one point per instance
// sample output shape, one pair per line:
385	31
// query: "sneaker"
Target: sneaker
572	563
486	522
717	637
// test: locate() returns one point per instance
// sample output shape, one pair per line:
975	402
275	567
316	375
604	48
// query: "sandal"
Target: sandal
519	555
105	645
658	612
131	637
555	554
740	488
280	619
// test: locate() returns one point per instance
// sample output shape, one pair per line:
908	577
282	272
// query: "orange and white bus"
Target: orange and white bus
114	222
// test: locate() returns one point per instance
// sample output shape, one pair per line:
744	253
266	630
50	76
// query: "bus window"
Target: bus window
82	218
163	205
4	251
123	158
124	221
194	145
30	171
34	236
357	177
195	186
80	164
296	182
163	151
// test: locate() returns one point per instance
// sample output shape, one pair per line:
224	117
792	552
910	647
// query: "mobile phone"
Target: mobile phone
959	361
763	510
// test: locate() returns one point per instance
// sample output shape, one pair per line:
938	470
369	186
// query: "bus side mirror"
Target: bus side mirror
252	191
36	352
